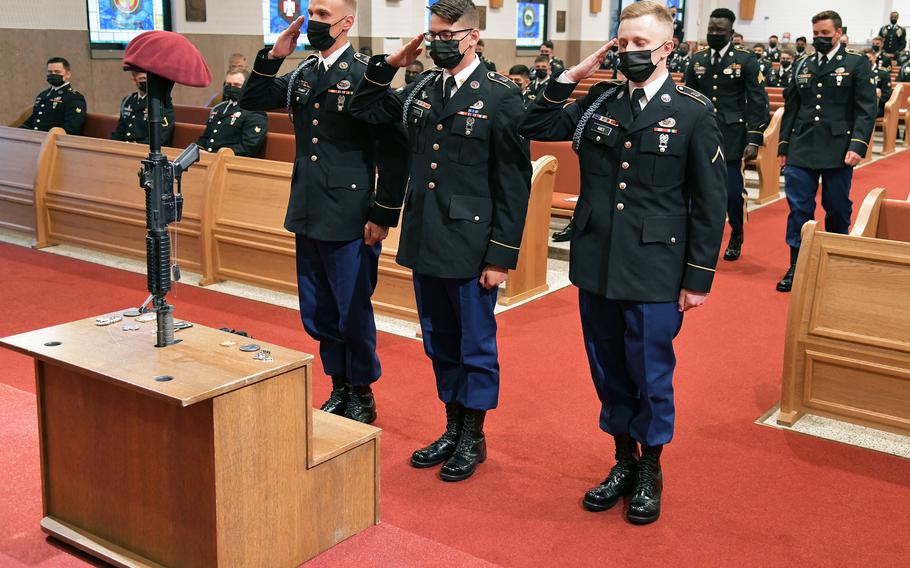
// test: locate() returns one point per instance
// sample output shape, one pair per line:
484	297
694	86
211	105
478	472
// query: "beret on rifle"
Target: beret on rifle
168	55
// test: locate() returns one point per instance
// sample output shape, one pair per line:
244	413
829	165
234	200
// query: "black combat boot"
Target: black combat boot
735	245
786	283
361	405
338	400
471	449
443	448
645	505
566	234
621	480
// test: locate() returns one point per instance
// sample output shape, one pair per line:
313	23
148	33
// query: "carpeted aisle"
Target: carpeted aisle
736	493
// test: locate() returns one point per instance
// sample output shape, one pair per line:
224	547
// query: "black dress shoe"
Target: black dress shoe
564	235
734	247
620	482
443	448
786	283
361	406
471	449
338	400
645	505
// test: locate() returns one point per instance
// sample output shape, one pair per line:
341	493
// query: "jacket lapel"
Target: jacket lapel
657	108
467	94
336	73
831	65
619	109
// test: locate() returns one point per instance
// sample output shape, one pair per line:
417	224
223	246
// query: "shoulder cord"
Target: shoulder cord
292	80
576	139
431	76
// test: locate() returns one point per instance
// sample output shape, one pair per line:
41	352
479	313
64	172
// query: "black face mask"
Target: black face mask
319	35
772	44
410	77
717	41
445	53
230	93
54	80
637	65
540	74
800	48
823	44
893	21
785	64
143	86
876	48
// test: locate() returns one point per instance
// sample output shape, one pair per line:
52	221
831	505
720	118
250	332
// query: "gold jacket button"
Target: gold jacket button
622	185
313	158
439	127
627	144
431	185
353	186
620	206
436	147
433	165
315	140
817	119
476	218
316	106
315	122
673	240
625	165
818	107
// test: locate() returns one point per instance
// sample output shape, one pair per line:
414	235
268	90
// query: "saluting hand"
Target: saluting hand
590	64
373	233
407	54
689	299
493	276
287	41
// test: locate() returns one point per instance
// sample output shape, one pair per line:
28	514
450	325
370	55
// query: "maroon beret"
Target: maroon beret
168	55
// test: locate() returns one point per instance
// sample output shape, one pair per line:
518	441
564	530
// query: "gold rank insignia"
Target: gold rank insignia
78	109
258	130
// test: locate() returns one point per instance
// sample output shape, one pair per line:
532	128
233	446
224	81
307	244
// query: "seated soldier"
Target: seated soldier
60	105
882	78
521	76
133	123
903	76
230	126
782	75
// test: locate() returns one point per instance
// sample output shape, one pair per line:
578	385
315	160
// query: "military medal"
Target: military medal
728	71
469	126
605	119
264	355
665	98
664	140
343	85
343	65
668	122
475	85
477	106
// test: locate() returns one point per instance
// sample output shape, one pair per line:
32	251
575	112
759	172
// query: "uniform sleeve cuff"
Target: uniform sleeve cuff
384	215
858	146
755	137
380	72
698	278
265	66
502	254
782	148
557	92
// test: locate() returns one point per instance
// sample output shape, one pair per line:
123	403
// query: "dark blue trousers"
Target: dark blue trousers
736	194
630	350
459	337
335	281
801	185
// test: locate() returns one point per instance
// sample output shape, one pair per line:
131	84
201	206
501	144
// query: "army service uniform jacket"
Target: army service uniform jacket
334	190
736	87
882	79
828	110
62	106
132	126
230	126
894	38
650	215
780	77
470	170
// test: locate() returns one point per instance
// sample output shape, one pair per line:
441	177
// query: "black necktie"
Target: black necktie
320	72
637	94
447	89
716	61
824	61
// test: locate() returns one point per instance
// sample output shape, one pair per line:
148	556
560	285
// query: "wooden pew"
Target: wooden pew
767	164
890	121
23	116
92	199
99	125
529	278
186	133
24	156
847	351
568	179
191	114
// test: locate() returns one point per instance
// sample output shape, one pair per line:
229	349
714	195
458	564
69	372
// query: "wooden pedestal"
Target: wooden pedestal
227	464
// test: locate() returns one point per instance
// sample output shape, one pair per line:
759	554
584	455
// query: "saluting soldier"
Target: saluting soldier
894	36
783	75
829	117
648	229
463	218
730	77
132	126
231	126
337	210
882	81
60	105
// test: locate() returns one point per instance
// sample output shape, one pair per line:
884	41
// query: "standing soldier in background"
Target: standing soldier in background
730	77
881	79
464	216
60	105
338	212
829	117
773	54
521	76
481	47
230	126
540	75
894	37
783	75
611	62
555	64
648	228
132	126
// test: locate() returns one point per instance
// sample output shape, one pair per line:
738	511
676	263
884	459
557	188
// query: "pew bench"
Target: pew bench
567	183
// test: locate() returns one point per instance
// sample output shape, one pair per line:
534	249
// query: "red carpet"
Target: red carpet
736	493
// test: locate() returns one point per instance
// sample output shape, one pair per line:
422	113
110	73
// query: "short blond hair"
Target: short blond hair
649	8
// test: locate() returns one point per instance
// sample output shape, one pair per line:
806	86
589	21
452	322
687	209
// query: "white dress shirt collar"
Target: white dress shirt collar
331	59
462	75
723	51
830	54
651	89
